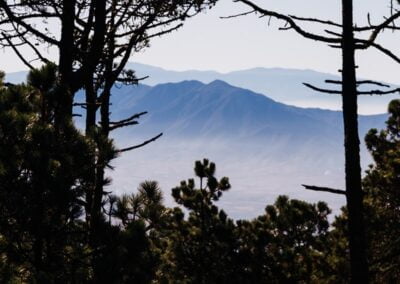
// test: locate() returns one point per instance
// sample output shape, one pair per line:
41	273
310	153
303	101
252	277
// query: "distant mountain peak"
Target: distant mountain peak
218	83
185	82
198	84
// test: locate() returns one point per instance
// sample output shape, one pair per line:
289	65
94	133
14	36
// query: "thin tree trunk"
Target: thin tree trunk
96	213
358	261
91	109
65	100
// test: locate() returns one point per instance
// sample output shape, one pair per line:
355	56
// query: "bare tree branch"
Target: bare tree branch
336	82
330	23
362	82
117	126
327	91
371	82
377	29
379	92
140	145
135	116
21	57
238	15
5	6
386	51
324	189
290	21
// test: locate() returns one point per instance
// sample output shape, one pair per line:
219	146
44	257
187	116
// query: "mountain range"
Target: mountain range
281	84
265	146
219	110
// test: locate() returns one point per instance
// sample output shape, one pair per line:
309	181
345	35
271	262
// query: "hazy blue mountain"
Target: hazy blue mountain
281	84
194	109
159	75
267	148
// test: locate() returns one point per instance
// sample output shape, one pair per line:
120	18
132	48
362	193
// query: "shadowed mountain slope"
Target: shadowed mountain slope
219	110
266	148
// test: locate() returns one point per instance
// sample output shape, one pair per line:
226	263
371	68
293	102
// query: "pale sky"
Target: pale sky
207	42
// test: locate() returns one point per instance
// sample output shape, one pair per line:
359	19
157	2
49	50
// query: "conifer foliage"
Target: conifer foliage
41	179
45	238
59	225
381	202
382	186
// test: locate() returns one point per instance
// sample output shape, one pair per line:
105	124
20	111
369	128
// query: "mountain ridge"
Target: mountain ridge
281	84
266	147
217	111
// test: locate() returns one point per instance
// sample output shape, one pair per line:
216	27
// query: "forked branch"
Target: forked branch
327	91
291	24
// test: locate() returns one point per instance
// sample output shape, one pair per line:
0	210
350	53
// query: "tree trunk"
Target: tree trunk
91	109
65	100
358	261
96	213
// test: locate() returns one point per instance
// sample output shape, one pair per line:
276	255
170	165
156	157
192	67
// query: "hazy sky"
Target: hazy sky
207	42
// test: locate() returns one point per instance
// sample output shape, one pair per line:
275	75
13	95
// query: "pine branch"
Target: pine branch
330	23
40	56
17	52
324	189
363	82
377	29
291	23
163	32
140	145
134	81
336	82
365	44
135	116
327	91
379	92
85	104
370	82
114	127
18	20
238	15
371	92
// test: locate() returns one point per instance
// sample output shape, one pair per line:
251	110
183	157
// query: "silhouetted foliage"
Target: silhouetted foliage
202	247
382	186
348	38
58	225
41	180
94	40
381	202
286	244
44	237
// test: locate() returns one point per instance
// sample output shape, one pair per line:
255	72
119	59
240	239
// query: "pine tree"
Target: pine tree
382	202
199	248
287	244
41	181
348	38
